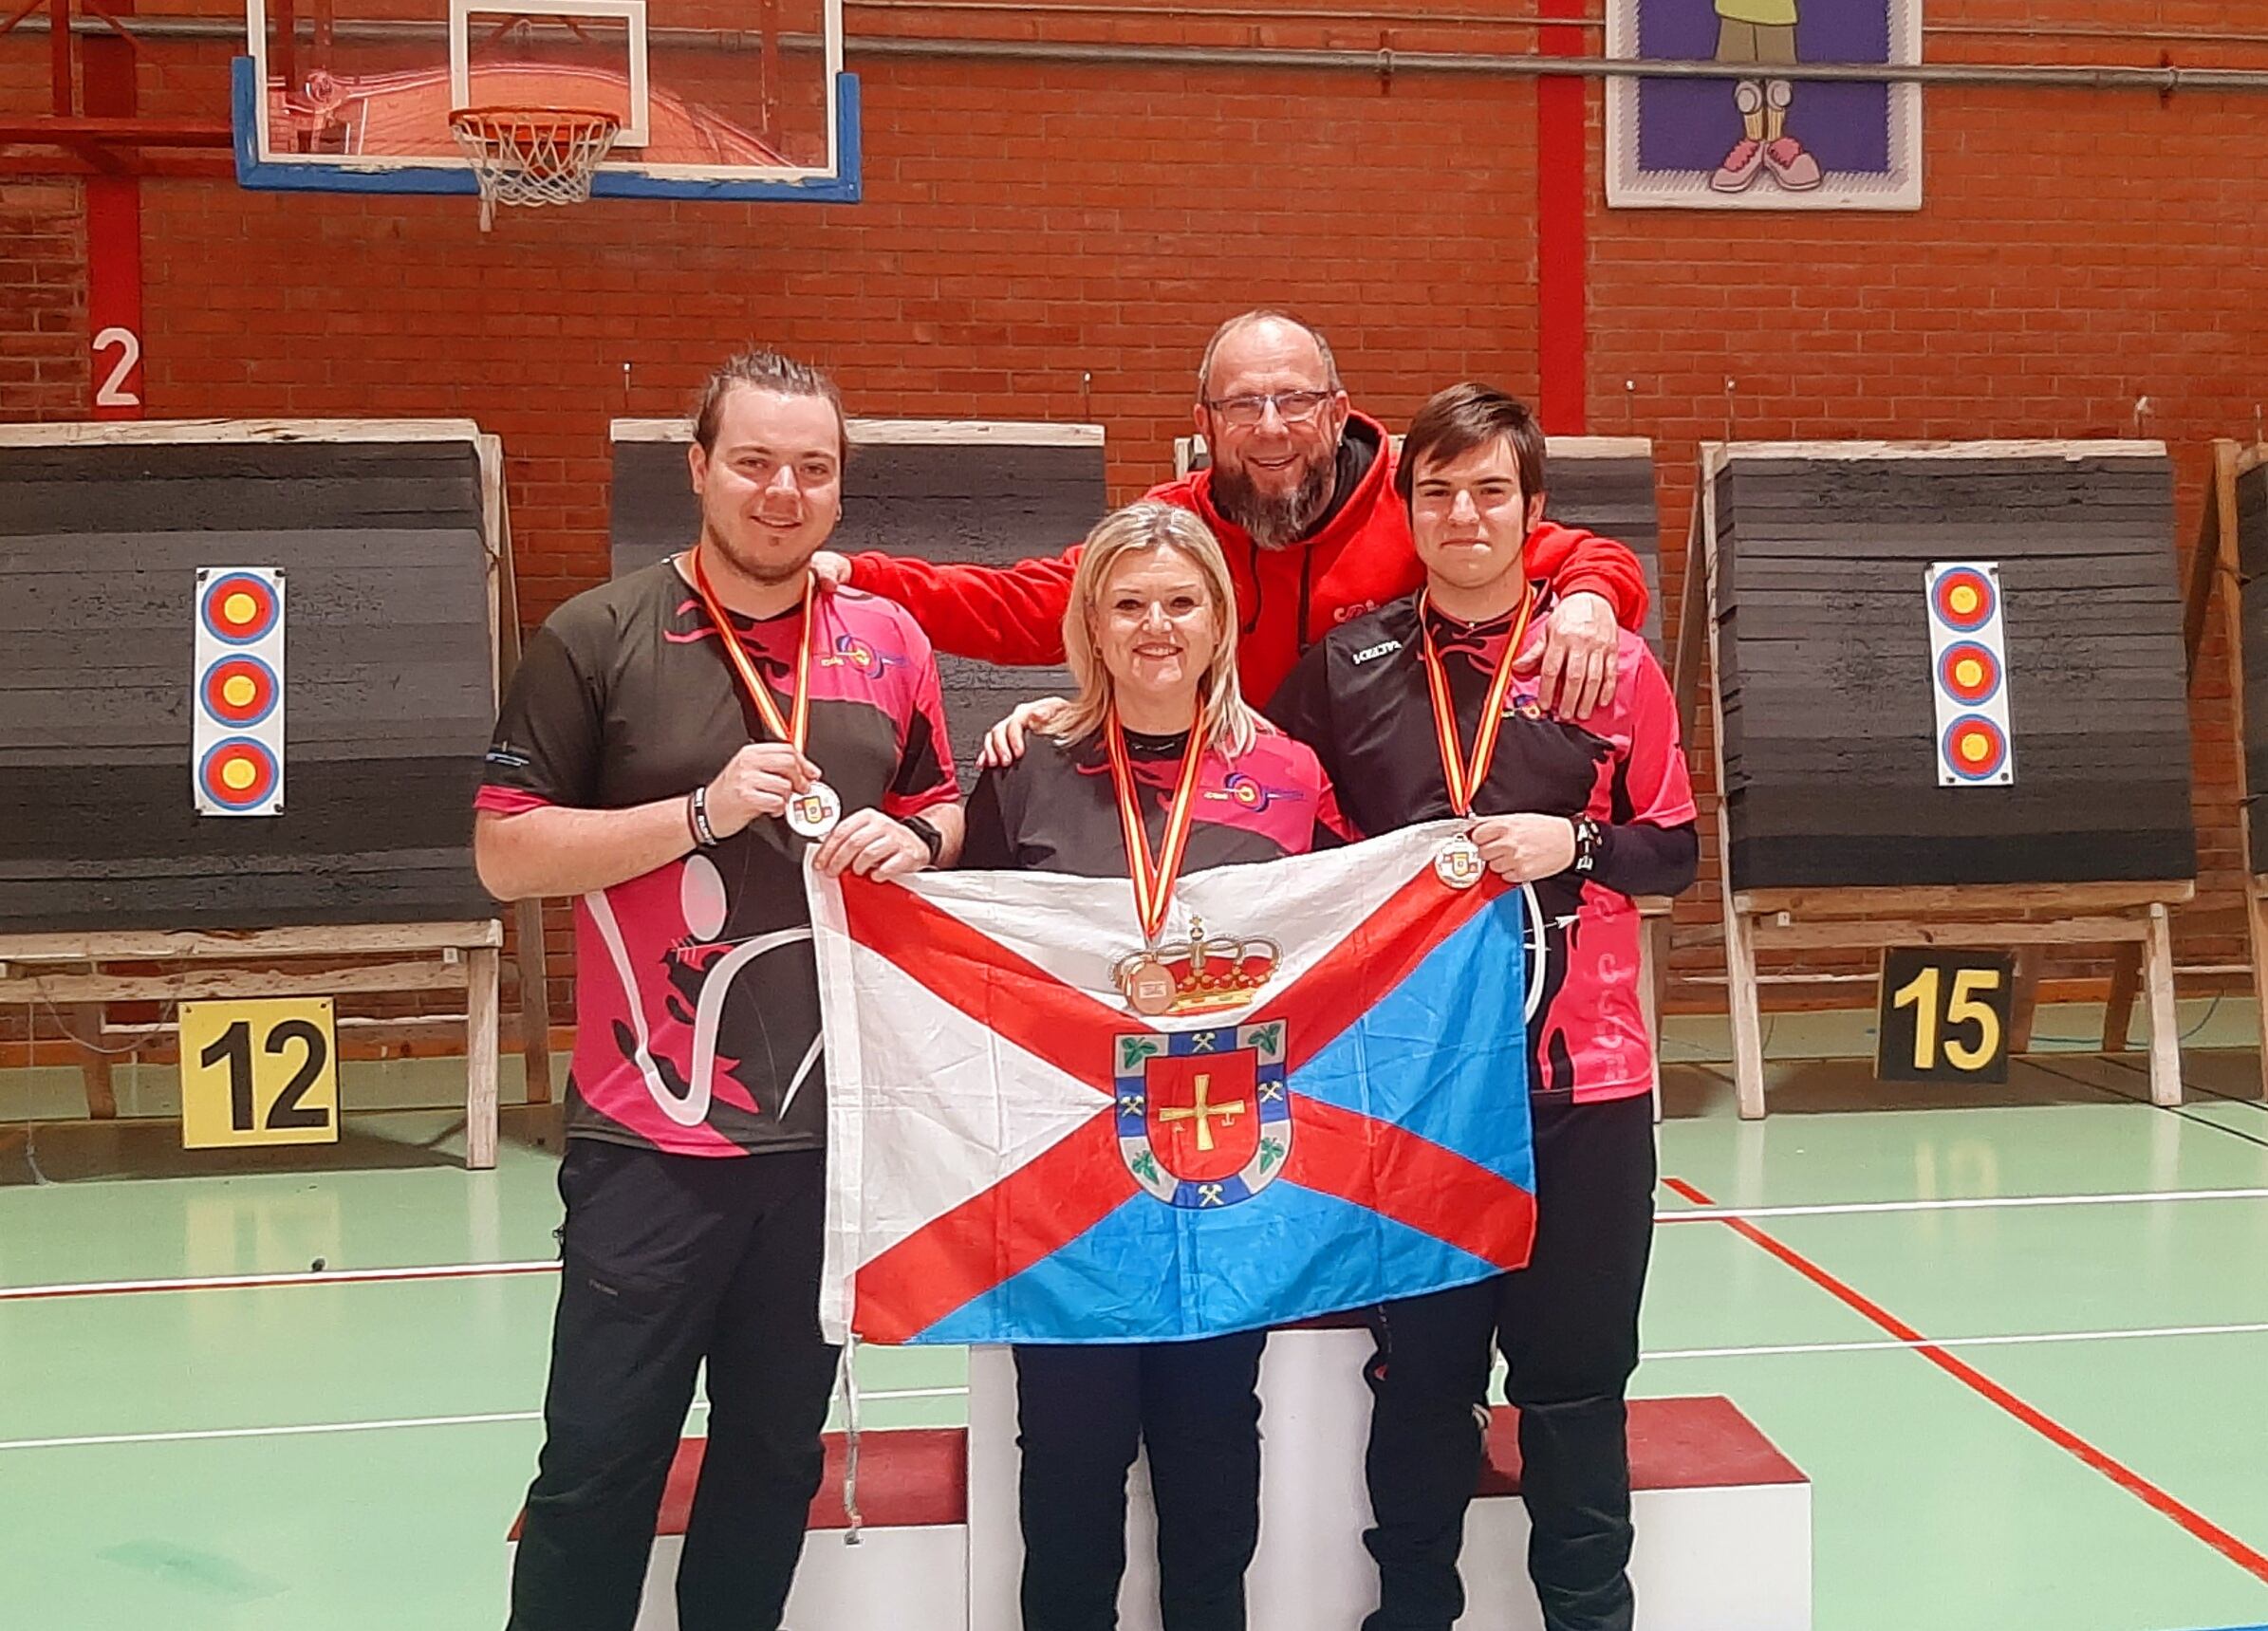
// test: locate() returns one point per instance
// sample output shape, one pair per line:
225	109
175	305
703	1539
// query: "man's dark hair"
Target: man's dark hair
1454	421
766	371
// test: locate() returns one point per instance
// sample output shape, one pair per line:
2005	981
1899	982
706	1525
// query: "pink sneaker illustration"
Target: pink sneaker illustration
1791	166
1741	166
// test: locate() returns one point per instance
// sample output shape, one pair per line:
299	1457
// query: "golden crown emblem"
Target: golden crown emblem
1206	973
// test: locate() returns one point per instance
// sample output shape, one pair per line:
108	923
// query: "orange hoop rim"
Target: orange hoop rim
492	123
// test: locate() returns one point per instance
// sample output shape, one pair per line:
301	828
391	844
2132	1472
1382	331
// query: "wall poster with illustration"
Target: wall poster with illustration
1756	139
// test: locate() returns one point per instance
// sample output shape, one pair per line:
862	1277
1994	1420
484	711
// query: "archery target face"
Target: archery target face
236	693
1966	598
1968	678
240	607
1975	748
239	774
1969	673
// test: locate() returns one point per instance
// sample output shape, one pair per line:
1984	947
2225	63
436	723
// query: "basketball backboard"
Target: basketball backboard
716	98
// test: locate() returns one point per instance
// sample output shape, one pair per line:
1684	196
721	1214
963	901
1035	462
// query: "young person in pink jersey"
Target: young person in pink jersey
1429	709
672	745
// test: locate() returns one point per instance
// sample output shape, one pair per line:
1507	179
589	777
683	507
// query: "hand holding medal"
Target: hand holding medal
757	781
1459	863
809	807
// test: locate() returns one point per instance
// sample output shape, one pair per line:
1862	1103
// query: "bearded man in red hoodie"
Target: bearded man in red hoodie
1300	492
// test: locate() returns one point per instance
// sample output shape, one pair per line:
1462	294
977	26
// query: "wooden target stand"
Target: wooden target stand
75	976
52	970
2216	563
2027	918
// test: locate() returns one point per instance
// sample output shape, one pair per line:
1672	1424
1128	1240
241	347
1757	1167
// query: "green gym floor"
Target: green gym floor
2017	1343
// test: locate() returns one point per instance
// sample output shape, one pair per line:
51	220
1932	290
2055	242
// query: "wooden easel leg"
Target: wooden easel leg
482	968
535	999
94	1064
1650	999
1748	1021
2118	1011
2024	1000
2256	912
2165	1036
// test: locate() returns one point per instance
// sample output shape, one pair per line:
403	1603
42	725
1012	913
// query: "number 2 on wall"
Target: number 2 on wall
1965	1006
112	393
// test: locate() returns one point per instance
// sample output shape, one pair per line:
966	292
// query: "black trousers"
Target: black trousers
668	1261
1081	1414
1568	1325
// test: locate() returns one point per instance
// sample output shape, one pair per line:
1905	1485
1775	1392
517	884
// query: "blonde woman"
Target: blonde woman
1150	636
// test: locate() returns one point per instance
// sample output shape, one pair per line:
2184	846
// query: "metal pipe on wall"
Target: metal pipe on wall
1387	61
1403	17
2163	79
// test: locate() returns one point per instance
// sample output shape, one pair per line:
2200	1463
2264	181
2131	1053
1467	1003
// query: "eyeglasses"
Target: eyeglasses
1292	407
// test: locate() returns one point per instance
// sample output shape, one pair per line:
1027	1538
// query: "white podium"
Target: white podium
1723	1519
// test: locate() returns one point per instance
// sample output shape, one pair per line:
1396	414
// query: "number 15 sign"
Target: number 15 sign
1945	1015
258	1073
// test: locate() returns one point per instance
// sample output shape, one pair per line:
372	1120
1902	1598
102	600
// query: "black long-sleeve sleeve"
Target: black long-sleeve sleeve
1641	859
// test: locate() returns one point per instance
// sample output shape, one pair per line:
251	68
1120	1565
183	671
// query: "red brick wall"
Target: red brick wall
1056	240
43	302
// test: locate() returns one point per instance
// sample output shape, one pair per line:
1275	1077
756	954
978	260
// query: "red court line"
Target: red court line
2134	1484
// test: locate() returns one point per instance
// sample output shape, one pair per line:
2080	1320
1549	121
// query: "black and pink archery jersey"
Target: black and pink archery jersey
697	999
1360	700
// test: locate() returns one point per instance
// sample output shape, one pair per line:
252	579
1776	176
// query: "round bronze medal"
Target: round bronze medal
1149	989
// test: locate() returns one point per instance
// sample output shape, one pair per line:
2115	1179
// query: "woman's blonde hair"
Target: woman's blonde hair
1223	721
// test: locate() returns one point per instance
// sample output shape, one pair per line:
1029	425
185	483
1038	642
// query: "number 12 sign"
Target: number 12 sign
1944	1015
258	1073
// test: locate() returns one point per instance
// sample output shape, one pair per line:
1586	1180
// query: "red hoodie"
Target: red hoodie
1287	599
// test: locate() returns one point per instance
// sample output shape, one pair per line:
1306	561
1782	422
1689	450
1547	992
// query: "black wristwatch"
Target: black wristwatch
926	831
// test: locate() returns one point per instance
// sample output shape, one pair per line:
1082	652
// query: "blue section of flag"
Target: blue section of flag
1149	1273
1393	1063
1443	1055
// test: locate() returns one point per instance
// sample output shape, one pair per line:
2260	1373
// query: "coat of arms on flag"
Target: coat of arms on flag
1204	1117
1016	1155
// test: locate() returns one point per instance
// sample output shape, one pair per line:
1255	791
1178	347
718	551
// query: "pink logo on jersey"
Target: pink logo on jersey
1247	792
857	653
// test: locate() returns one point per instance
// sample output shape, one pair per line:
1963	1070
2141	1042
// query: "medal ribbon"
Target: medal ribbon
1464	778
1153	879
792	730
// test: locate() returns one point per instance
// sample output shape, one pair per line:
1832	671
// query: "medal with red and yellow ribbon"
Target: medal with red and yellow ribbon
1458	865
813	812
1145	980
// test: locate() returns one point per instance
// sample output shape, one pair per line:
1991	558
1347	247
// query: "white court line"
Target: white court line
1975	1203
298	1429
551	1266
302	1430
1762	1351
255	1282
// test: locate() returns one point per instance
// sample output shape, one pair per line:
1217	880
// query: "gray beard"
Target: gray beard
1275	522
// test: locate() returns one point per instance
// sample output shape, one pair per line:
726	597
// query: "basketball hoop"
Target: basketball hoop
532	155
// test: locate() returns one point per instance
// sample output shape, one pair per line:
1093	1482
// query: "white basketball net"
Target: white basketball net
532	155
